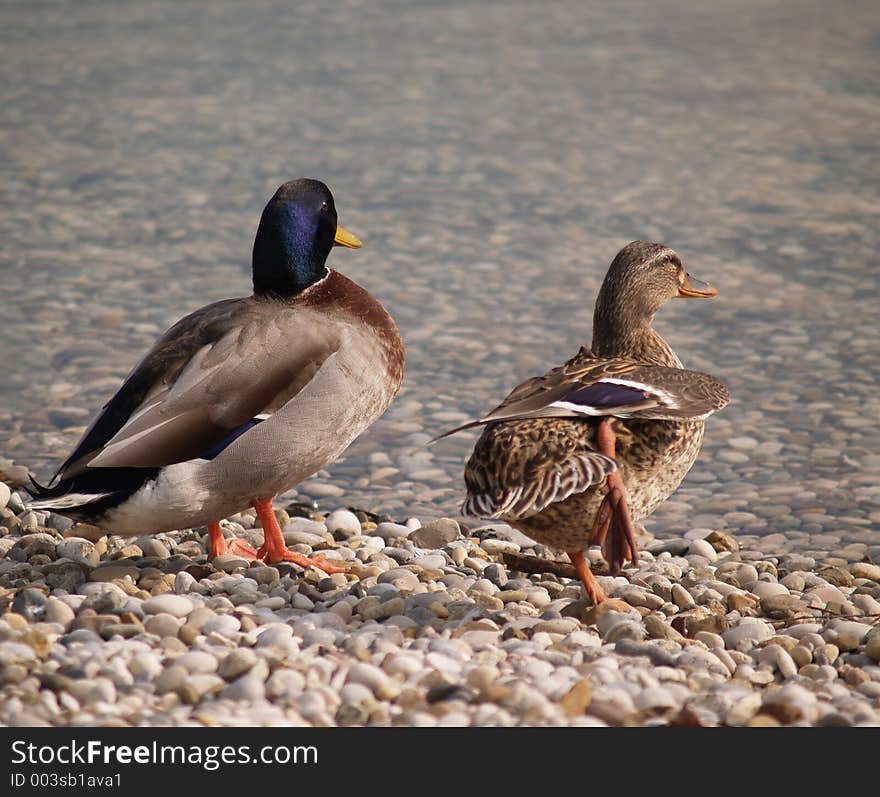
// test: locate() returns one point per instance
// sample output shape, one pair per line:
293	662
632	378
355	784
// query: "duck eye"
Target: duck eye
325	206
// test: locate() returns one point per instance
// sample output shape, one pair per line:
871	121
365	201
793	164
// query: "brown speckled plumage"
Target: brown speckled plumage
538	463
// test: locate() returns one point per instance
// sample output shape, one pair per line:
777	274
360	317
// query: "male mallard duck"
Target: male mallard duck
571	458
244	398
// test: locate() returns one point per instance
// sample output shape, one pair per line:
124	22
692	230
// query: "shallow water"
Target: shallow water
494	158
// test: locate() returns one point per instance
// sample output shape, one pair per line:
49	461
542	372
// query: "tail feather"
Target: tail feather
89	494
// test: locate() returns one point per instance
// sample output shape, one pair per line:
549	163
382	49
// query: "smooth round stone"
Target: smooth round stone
171	679
29	603
184	582
800	630
435	561
709	639
153	547
746	634
798	563
846	634
229	562
248	687
782	604
867	604
343	521
285	684
790	703
538	597
101	588
399	574
197	661
199	685
78	550
306	525
15	503
57	611
273	603
300	601
320	490
304	538
79	635
483	586
744	709
497	547
794	581
93	690
858	570
655	699
627	629
403	663
5	494
682	598
495	573
436	533
743	573
274	634
371	677
168	603
768	589
145	665
237	663
702	548
779	658
163	624
223	624
199	616
827	593
368	543
391	531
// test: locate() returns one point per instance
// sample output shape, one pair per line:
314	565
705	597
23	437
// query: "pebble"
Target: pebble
682	598
436	533
745	635
78	550
247	687
701	547
343	522
167	603
285	685
197	661
237	662
392	531
162	625
57	611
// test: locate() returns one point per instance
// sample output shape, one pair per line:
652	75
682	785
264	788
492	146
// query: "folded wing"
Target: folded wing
587	386
210	379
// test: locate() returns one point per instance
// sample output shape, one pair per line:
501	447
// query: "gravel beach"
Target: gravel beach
428	627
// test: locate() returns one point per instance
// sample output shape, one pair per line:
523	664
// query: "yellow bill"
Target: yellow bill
345	238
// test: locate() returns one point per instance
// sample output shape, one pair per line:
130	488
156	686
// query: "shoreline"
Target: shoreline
430	626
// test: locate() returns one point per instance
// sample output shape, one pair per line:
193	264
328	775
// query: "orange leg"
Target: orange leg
218	541
274	550
235	547
613	514
591	584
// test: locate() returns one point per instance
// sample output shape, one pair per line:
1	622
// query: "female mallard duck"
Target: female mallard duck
571	458
244	398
